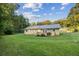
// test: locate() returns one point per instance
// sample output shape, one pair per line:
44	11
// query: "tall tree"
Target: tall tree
20	23
73	15
6	11
6	14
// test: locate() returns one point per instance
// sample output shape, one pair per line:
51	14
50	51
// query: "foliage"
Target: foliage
6	13
47	22
20	23
33	23
9	22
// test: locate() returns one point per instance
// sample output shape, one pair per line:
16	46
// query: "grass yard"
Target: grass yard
28	45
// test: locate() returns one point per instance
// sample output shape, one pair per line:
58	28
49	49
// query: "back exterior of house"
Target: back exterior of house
52	30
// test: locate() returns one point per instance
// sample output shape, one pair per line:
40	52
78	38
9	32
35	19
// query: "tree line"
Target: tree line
11	23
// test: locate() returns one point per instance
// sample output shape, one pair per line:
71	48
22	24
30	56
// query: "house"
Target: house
52	30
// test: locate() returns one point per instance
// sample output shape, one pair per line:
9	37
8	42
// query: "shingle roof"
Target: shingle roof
53	26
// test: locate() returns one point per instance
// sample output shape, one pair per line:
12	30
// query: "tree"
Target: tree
33	23
19	23
74	16
6	13
47	22
9	22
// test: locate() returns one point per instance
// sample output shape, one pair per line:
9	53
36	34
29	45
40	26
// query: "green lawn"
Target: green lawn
20	44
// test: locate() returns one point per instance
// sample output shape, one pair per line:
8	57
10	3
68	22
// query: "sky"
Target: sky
37	12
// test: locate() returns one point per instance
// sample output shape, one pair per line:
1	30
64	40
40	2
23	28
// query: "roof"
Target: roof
53	26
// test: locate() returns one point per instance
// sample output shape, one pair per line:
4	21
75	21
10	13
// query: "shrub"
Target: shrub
48	33
75	30
8	31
